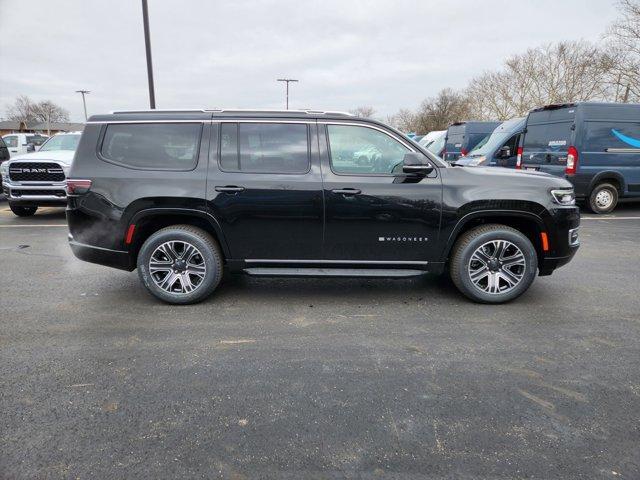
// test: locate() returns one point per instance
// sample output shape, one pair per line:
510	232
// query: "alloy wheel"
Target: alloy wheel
497	267
177	267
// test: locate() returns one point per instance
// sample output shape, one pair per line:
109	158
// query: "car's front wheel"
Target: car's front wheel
493	263
22	211
180	264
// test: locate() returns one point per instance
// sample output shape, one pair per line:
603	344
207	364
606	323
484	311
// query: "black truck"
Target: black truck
185	195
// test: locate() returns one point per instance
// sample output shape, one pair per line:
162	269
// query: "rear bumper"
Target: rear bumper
103	256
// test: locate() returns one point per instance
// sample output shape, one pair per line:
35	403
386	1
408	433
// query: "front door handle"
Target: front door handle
229	189
346	191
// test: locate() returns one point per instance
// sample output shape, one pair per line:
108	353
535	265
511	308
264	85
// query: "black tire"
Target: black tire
471	241
210	256
22	211
603	198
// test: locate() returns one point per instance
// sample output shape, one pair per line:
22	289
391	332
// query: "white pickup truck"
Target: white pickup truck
39	178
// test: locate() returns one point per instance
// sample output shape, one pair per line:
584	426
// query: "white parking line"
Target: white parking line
610	218
34	226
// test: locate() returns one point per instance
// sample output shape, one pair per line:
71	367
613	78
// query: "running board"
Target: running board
334	272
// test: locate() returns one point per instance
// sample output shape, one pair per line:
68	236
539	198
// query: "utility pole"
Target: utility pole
147	44
84	101
287	81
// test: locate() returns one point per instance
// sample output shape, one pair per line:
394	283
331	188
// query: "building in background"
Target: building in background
13	126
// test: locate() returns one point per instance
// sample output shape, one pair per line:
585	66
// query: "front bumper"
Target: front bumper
35	193
563	229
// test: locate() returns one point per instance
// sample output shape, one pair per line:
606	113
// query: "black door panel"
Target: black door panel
267	215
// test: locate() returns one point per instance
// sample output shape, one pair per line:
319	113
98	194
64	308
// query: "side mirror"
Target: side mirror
416	163
504	152
31	147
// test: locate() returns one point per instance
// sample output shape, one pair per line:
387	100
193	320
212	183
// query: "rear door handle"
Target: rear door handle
229	189
346	191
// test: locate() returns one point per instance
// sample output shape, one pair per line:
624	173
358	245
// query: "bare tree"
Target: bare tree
48	112
404	120
555	73
363	112
26	111
22	110
624	46
437	113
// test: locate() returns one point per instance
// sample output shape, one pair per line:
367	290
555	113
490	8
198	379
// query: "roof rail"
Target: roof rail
231	110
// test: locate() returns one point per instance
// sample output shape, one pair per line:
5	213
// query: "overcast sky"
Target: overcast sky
389	54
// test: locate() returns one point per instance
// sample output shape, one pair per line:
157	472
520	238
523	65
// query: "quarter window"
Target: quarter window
363	150
264	147
161	146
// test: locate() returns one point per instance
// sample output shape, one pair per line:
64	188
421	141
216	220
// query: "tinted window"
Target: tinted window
37	140
551	137
152	145
603	135
2	144
264	147
11	141
362	150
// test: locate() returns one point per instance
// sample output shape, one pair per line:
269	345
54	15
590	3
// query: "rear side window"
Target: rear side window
264	147
550	137
161	146
601	136
11	141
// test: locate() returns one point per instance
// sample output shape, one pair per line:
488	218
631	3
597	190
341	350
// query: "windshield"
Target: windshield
489	143
437	145
61	142
497	138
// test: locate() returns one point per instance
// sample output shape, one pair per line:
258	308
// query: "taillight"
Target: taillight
572	161
78	187
463	152
444	154
519	159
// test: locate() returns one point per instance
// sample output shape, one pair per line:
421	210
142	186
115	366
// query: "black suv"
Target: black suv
184	195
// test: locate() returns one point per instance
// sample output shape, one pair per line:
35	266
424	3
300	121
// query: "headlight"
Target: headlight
4	169
564	196
477	161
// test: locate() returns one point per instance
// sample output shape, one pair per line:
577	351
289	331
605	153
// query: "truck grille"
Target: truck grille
36	172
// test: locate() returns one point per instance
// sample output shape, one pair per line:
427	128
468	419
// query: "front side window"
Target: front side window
161	146
11	141
264	147
61	142
363	150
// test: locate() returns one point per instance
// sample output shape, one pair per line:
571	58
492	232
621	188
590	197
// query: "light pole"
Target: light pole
147	44
287	81
84	101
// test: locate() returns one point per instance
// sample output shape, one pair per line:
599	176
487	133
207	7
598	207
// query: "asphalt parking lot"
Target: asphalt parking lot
286	378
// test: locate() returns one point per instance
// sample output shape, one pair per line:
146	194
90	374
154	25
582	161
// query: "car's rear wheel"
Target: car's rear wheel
180	264
603	198
22	211
493	264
